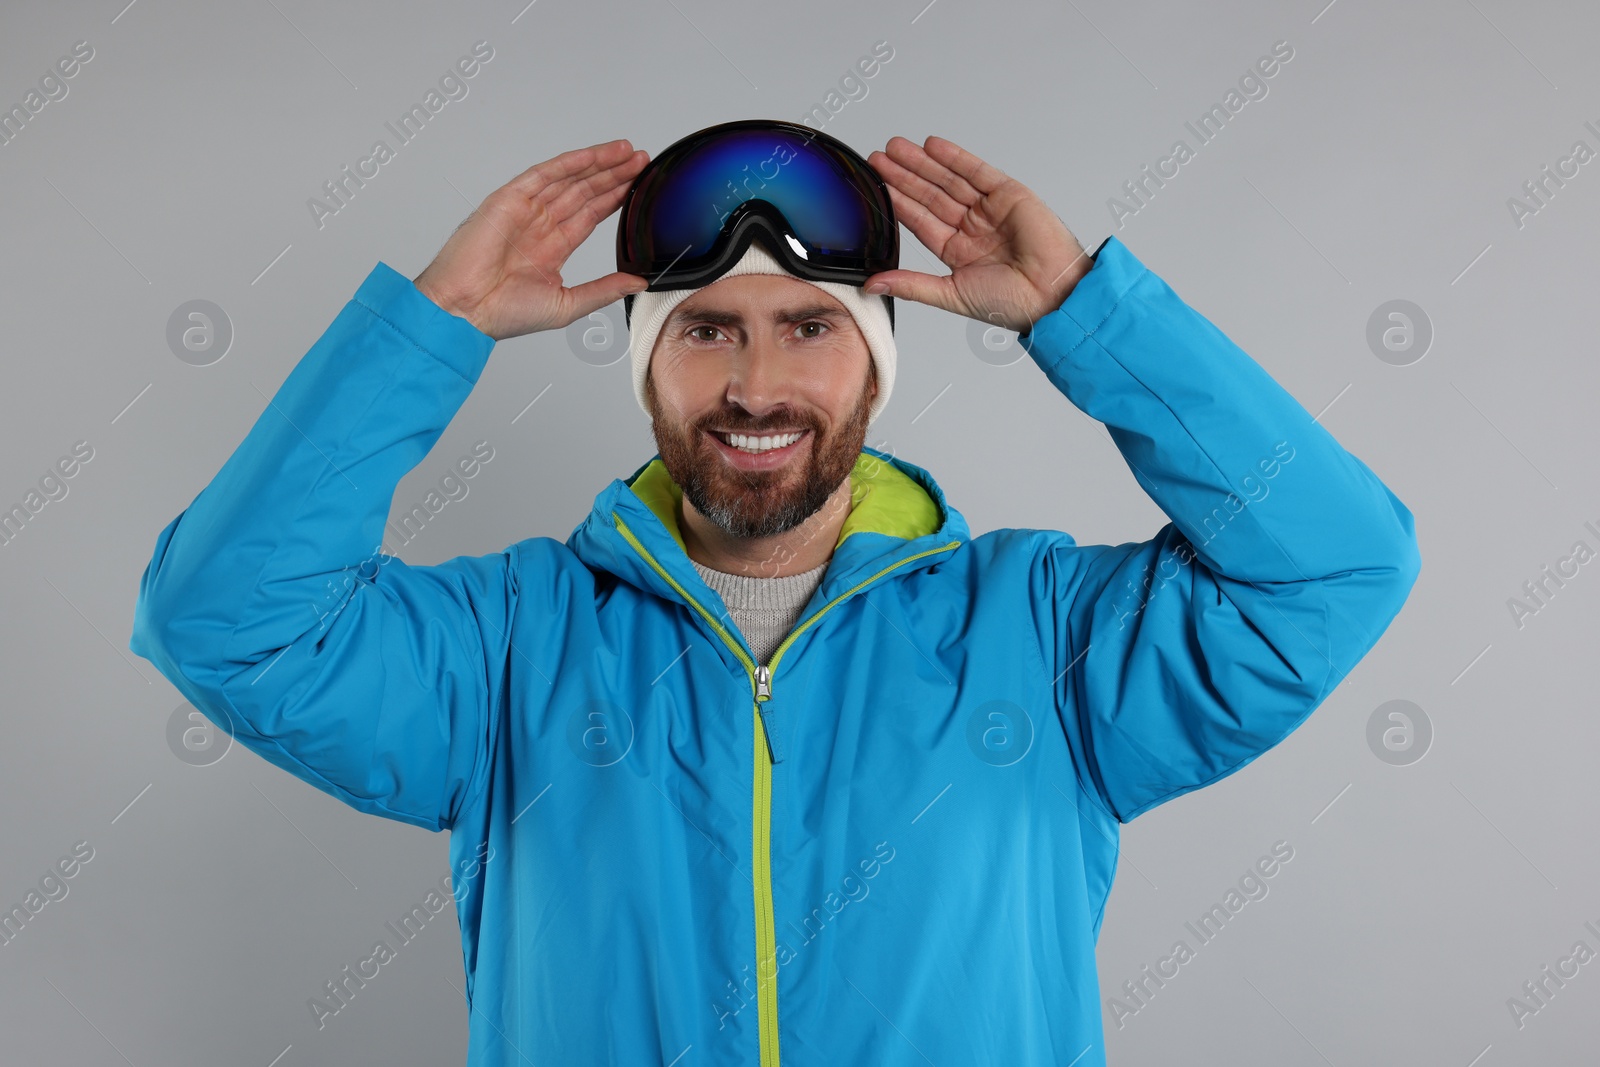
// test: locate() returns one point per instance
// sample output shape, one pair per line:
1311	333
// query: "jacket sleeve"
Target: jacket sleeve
270	607
1177	661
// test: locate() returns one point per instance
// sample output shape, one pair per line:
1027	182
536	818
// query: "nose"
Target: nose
757	378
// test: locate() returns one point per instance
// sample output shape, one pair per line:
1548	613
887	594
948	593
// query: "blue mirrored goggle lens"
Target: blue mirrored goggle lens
802	179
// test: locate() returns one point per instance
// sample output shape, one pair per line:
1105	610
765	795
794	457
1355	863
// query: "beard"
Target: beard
753	504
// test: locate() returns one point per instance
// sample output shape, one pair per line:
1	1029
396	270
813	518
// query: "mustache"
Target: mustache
734	425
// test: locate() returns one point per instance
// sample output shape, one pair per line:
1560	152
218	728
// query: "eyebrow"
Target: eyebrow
718	317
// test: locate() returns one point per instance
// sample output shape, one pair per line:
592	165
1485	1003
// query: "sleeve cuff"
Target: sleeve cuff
1091	302
450	339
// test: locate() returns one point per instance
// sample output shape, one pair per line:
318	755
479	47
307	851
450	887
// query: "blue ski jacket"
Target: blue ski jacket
890	844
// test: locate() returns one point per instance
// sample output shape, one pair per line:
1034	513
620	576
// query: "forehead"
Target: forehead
759	296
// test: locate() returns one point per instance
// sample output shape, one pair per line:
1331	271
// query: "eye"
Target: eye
814	322
694	330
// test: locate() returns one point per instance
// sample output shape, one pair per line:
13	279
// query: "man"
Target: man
772	760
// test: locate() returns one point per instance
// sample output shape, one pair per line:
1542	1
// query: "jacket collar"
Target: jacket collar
899	511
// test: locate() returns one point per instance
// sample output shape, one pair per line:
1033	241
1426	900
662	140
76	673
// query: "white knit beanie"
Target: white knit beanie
650	311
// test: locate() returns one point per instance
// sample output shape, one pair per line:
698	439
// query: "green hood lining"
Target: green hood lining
884	499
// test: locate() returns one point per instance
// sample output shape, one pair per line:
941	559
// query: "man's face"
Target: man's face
760	355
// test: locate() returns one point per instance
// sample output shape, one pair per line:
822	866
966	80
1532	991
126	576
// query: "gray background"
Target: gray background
1378	167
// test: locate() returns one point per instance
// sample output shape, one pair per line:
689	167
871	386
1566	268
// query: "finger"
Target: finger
919	189
583	300
578	160
577	227
558	198
535	178
932	231
578	192
968	168
930	289
916	158
541	174
556	239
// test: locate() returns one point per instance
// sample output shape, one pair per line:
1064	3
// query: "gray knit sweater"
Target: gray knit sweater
764	609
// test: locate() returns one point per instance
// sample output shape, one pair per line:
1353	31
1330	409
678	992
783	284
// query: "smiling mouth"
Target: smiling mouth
758	444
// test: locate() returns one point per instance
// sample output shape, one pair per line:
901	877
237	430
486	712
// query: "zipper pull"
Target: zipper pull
763	681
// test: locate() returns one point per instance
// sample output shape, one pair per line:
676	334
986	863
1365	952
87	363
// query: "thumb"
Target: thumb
928	289
592	296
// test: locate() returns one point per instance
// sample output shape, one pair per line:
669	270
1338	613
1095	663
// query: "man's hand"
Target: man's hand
1012	261
501	269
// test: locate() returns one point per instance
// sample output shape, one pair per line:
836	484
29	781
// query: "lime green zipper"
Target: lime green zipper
761	861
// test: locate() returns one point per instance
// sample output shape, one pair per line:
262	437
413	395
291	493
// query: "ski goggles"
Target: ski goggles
815	204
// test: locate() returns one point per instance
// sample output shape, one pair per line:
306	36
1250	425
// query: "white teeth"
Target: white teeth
756	445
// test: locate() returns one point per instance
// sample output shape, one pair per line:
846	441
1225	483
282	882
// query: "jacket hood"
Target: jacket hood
899	511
